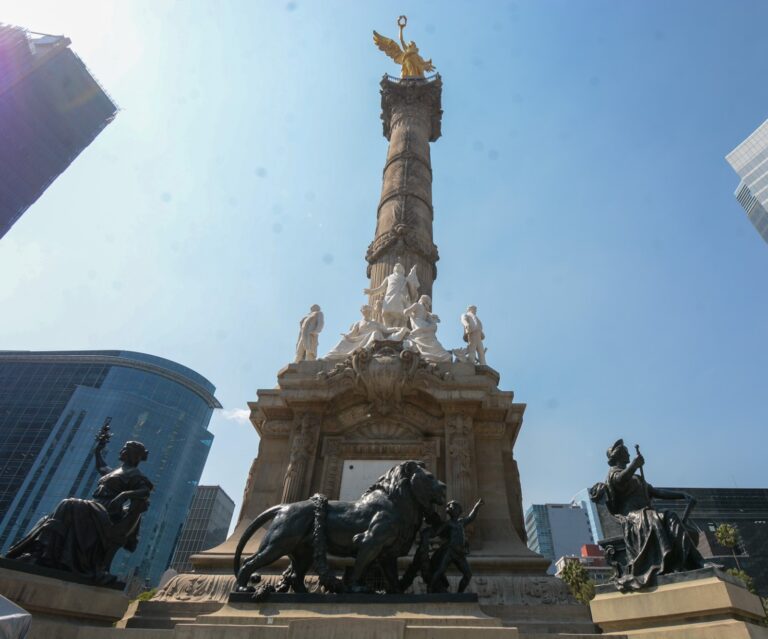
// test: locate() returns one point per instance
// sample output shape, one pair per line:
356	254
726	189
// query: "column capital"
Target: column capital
422	93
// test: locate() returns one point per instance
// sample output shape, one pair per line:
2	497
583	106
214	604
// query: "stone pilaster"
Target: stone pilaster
515	495
411	115
303	445
460	459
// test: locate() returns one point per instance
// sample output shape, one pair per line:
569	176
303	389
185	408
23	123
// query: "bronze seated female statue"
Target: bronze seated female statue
83	535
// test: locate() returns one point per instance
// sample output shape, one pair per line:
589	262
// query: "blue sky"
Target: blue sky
582	201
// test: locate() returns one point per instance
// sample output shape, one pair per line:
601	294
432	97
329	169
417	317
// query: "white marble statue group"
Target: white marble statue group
397	314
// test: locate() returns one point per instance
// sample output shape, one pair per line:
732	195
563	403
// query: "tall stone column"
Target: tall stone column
459	449
411	115
303	445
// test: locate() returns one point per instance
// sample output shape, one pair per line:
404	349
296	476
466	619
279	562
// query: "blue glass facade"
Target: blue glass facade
51	109
51	407
588	506
539	532
557	530
206	526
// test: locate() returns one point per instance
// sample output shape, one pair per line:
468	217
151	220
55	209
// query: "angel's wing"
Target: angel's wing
388	46
428	66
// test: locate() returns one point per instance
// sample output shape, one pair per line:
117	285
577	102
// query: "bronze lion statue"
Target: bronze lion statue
377	528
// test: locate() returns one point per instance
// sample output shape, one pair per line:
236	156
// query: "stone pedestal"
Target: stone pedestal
386	404
61	609
702	604
335	617
539	605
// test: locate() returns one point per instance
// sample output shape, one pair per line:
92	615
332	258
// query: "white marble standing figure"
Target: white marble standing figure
399	291
377	309
309	328
363	334
473	336
423	335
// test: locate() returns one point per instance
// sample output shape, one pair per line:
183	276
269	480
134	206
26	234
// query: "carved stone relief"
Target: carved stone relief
459	448
302	452
490	430
493	590
384	430
380	374
197	588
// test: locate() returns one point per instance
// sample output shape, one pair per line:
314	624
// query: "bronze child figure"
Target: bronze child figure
454	548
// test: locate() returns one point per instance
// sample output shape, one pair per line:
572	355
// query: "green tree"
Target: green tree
575	575
750	584
147	595
728	536
740	574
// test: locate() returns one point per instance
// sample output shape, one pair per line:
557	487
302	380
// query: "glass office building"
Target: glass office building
556	530
746	509
51	108
750	161
207	525
52	404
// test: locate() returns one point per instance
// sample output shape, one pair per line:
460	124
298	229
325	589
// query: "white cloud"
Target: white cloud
239	415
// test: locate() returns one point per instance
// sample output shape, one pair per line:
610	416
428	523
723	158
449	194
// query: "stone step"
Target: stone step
554	628
549	635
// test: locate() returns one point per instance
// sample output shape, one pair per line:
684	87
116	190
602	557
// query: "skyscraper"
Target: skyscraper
750	161
52	404
555	530
51	108
206	526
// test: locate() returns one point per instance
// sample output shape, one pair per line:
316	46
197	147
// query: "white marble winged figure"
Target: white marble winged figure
473	336
423	335
399	290
309	328
363	334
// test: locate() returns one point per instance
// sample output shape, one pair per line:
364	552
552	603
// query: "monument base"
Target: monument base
701	604
531	604
334	618
361	599
61	608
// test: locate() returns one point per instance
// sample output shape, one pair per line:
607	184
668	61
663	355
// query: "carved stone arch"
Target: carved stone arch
383	430
417	417
428	419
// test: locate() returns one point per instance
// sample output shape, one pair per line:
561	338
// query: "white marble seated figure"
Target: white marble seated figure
399	291
363	334
423	335
309	328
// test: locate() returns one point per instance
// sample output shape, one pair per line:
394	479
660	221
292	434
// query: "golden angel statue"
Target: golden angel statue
413	64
